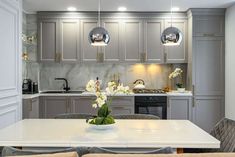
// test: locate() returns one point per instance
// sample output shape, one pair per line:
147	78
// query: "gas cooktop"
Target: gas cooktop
151	91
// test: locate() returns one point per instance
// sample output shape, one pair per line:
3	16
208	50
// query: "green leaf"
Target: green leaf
103	111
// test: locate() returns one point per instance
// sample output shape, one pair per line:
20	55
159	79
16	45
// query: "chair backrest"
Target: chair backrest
74	116
224	131
136	116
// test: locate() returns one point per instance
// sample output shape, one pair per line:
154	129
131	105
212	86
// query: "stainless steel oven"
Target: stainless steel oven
155	105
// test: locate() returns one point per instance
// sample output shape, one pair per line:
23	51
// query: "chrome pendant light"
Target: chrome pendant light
171	36
99	36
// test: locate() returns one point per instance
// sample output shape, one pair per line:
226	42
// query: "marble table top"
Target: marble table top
124	134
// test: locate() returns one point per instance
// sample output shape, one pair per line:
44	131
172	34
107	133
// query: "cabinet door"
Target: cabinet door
208	63
48	40
83	105
122	105
31	108
179	108
132	38
208	111
112	50
55	105
88	52
152	42
208	26
177	54
69	40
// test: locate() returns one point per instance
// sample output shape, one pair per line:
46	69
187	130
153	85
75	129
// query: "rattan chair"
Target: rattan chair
136	116
74	116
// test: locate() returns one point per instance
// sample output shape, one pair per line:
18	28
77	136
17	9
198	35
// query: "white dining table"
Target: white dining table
124	134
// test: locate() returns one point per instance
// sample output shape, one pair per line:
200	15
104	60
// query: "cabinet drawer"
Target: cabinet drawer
128	101
121	110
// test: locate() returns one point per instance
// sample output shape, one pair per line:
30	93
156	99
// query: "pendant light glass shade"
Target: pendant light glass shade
171	36
99	36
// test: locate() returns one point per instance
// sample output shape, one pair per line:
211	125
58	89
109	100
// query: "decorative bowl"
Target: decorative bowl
101	127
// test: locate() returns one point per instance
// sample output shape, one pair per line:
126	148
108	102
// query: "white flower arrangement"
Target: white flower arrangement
177	72
104	116
101	97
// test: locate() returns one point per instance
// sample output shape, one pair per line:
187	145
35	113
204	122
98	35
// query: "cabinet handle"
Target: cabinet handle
31	106
208	34
143	57
193	89
165	57
58	57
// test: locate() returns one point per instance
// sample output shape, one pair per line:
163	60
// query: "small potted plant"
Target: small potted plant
178	73
104	120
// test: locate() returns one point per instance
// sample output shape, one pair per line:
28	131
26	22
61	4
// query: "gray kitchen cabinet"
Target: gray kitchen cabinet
152	42
53	106
83	105
58	40
112	52
179	108
69	40
88	53
132	41
208	63
207	111
177	54
48	43
208	26
30	108
122	105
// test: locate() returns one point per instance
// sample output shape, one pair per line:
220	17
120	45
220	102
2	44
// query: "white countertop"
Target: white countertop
173	93
125	134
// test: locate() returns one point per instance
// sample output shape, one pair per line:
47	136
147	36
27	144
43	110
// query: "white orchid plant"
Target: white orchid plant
176	73
102	102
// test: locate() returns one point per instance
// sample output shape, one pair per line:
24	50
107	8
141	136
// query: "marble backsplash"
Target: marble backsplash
154	75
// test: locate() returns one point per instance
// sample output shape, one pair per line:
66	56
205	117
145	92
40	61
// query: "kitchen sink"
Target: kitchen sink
62	92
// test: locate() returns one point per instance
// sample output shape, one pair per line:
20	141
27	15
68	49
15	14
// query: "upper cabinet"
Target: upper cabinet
88	52
58	40
69	40
133	39
208	26
112	52
152	41
177	54
48	46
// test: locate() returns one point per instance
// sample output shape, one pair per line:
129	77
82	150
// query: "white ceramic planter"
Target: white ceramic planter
101	127
181	90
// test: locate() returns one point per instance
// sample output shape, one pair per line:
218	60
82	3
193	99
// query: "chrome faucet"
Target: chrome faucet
66	88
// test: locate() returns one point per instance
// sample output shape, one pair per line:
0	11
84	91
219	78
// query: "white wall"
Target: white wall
230	63
10	62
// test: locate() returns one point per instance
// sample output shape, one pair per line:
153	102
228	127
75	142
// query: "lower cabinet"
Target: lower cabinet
53	106
83	105
179	108
30	108
122	105
208	111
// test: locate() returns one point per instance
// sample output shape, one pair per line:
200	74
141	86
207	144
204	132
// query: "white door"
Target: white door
10	62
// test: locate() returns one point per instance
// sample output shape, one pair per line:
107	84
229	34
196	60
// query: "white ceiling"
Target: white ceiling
131	5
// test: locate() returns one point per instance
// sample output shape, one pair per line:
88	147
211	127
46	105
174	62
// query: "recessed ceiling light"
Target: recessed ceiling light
122	9
175	9
71	9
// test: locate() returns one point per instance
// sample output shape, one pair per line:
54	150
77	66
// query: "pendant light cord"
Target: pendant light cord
171	13
99	14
